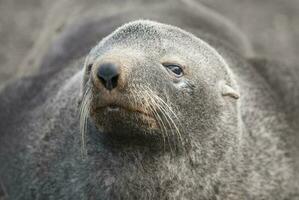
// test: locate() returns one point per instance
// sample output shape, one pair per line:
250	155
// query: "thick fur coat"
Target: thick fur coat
240	143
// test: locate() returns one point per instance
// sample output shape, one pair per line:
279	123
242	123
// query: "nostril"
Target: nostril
114	81
108	74
103	81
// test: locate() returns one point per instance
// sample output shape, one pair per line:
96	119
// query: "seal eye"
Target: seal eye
174	68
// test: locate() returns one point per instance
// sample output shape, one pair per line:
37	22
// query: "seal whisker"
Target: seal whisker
84	110
147	106
167	115
138	100
159	120
147	103
157	107
84	91
134	97
167	110
163	111
83	122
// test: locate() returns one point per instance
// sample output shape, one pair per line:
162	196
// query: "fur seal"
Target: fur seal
163	115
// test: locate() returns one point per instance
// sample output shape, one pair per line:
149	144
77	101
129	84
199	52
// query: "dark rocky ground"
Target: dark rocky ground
271	25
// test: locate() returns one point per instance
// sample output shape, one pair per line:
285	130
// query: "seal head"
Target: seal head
155	81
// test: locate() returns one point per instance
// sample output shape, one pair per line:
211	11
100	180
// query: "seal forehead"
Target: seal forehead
148	35
138	29
141	34
161	40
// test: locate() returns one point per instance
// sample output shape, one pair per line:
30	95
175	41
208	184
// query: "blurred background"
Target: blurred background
271	25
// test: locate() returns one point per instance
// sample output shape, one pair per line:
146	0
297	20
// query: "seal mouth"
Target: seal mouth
114	108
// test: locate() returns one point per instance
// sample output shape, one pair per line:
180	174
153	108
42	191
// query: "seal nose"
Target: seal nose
108	74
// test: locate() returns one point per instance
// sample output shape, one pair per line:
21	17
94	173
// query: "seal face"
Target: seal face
146	78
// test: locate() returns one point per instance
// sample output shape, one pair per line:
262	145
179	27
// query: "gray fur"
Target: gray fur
239	144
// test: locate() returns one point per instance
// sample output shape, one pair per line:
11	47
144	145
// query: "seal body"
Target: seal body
164	114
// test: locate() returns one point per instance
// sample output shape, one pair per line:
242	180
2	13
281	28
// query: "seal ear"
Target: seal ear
227	90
